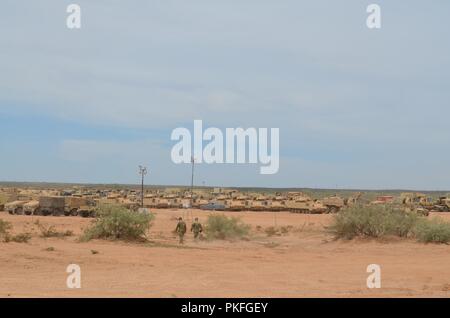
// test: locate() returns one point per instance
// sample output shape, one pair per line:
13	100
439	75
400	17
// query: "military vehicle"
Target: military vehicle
198	202
32	208
443	204
52	205
15	207
260	203
333	203
304	204
278	204
222	199
418	202
129	204
87	211
213	206
238	204
73	204
162	203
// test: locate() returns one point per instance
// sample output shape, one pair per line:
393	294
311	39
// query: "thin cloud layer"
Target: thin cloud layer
372	104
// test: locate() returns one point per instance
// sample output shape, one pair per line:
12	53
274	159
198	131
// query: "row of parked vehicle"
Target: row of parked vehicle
52	205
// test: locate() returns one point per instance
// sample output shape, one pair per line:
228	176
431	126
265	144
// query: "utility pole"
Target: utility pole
142	172
192	182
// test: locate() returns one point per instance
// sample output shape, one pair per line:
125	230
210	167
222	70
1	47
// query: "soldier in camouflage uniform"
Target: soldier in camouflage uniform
197	228
181	229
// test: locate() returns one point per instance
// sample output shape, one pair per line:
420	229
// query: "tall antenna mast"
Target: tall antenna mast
142	172
192	181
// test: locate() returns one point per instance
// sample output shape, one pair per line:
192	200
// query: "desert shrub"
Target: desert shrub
278	230
118	223
373	221
50	231
4	227
271	231
223	227
18	238
433	231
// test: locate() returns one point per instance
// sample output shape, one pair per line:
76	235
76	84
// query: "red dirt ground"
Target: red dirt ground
306	262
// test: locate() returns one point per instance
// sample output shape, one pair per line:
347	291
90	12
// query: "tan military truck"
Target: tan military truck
87	211
52	205
32	208
15	207
74	204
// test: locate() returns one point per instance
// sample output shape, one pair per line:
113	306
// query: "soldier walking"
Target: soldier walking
181	229
197	228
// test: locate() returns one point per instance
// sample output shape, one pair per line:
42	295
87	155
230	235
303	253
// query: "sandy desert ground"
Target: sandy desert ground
306	262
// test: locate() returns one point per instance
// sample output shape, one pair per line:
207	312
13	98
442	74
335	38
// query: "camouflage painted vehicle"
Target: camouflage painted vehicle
32	208
333	204
15	207
305	204
52	205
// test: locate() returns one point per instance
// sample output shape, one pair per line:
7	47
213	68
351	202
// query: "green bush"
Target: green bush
118	223
433	231
373	221
222	227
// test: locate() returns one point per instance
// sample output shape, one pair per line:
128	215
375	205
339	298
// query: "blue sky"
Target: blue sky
356	108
